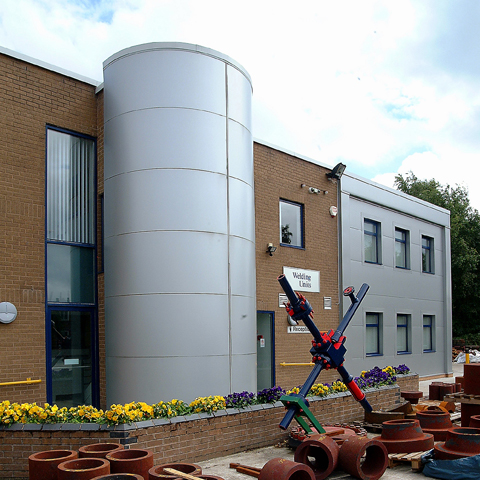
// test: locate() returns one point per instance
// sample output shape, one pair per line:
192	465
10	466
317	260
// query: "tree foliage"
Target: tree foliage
465	246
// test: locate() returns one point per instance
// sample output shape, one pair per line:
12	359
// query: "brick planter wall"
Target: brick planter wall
408	382
190	439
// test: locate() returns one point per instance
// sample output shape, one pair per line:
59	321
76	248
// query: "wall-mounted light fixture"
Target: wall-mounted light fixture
271	249
337	171
314	190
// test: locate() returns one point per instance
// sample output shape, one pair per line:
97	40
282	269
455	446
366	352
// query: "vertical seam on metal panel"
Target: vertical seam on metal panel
230	366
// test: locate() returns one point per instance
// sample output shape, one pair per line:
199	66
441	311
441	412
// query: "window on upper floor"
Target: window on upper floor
402	248
372	236
291	224
428	263
428	331
373	343
71	217
403	333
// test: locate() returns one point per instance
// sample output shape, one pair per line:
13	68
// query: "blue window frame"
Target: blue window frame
403	333
371	236
402	259
291	224
428	329
71	329
428	263
373	334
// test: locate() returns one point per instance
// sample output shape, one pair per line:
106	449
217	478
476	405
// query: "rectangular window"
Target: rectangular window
427	255
373	330
70	276
71	218
401	248
403	333
371	235
428	329
70	188
71	334
291	224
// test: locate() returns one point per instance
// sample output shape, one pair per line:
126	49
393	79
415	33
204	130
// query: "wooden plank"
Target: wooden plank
414	458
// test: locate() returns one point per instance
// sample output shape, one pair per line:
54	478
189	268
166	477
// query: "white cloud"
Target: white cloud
381	86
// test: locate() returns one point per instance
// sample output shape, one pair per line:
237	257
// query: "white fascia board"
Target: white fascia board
48	66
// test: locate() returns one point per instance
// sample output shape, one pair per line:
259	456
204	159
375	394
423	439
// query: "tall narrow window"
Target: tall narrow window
427	255
401	248
428	329
291	224
373	338
71	333
71	217
371	235
70	188
403	333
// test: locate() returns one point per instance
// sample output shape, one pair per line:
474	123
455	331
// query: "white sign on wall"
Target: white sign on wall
298	329
302	280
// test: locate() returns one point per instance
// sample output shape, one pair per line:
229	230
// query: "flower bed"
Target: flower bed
184	438
140	411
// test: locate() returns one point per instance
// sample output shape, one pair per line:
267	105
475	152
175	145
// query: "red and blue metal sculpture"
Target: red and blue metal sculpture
328	351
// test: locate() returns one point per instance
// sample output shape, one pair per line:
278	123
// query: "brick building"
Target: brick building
133	244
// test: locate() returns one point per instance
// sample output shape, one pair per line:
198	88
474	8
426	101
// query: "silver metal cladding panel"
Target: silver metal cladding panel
241	198
165	79
244	330
394	290
179	225
239	98
141	320
166	138
167	262
153	379
167	199
242	274
242	379
240	146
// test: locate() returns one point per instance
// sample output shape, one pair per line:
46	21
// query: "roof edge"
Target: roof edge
48	66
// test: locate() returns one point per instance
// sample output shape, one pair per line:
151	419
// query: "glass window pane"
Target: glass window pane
70	274
372	333
400	248
70	188
370	249
71	358
370	227
427	332
372	340
427	254
291	224
401	340
400	257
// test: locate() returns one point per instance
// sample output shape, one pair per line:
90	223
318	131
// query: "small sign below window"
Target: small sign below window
327	303
298	329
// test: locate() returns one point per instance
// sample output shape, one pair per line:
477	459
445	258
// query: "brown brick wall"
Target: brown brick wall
185	441
30	98
100	278
279	175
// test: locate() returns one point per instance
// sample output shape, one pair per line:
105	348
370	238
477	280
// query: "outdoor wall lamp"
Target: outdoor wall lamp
271	249
314	190
337	171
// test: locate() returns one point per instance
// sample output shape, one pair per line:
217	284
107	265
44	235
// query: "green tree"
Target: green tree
465	246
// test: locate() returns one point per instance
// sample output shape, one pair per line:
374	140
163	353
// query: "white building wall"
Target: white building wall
394	290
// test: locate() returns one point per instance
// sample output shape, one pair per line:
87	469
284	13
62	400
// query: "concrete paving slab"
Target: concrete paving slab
259	457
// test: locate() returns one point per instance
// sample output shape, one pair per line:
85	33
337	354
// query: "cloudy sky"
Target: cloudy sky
382	86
